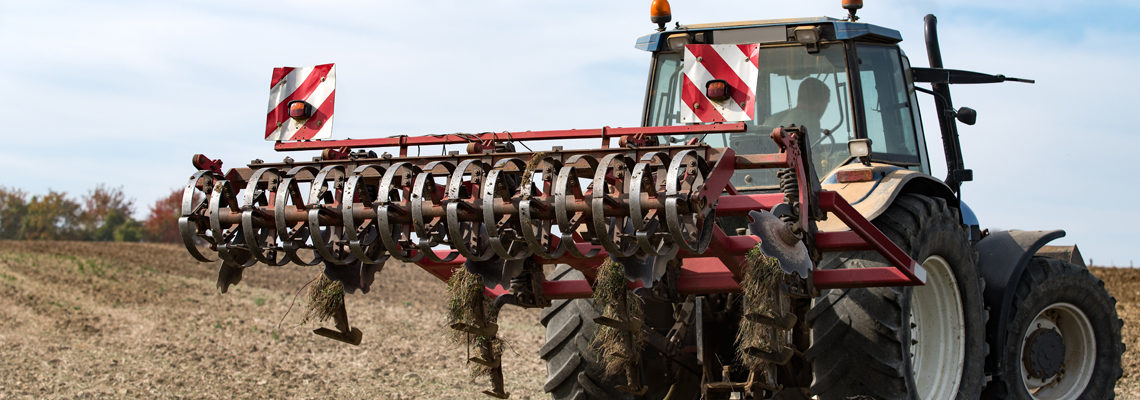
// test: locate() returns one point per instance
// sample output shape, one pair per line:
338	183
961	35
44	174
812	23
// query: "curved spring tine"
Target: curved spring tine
460	232
394	236
694	231
609	229
565	186
647	225
355	189
537	232
497	228
322	199
428	234
293	237
193	223
229	239
256	225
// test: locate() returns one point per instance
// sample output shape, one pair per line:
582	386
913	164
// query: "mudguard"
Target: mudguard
873	197
1002	257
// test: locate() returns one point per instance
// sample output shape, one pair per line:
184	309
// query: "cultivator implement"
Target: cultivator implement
503	214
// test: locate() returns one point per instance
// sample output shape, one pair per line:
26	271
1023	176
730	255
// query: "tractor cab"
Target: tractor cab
841	80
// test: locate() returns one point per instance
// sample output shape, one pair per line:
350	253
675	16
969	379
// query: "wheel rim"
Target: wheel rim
1079	349
938	333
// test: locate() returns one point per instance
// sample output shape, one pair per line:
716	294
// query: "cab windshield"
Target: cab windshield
793	87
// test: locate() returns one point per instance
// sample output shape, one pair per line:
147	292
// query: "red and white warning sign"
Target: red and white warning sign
737	65
301	103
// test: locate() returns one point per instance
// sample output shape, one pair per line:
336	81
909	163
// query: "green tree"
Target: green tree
104	210
13	206
129	231
51	217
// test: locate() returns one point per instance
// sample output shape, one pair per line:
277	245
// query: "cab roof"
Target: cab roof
839	30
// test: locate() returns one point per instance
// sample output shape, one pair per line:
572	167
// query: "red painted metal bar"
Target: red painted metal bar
730	250
841	241
603	133
742	204
702	275
866	277
862	277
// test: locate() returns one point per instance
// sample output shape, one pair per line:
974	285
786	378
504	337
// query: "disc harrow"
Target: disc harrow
509	210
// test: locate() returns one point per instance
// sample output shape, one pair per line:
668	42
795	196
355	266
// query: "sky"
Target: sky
125	92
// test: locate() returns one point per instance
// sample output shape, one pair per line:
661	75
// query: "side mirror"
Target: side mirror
966	115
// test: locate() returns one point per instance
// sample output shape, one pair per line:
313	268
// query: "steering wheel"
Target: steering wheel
827	156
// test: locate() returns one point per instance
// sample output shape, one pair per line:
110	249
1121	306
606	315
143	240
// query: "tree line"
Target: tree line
102	214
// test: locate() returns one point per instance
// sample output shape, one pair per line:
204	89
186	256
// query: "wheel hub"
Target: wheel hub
1044	353
938	333
1058	353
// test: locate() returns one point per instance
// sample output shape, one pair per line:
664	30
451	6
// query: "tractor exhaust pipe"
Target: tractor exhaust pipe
956	172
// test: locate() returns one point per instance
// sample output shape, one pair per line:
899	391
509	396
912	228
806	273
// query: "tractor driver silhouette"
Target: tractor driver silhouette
811	102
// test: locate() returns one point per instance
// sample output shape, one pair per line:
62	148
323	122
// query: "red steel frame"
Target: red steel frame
700	274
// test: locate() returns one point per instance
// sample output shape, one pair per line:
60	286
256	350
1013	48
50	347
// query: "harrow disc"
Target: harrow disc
537	232
193	224
572	223
649	224
610	181
427	193
395	189
256	223
362	234
228	237
503	229
468	237
687	174
294	235
326	234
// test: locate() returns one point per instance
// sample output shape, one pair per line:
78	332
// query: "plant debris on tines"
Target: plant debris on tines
326	296
531	165
619	348
467	310
760	287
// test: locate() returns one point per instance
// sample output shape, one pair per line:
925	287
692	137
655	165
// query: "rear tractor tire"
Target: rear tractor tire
1063	338
574	370
925	342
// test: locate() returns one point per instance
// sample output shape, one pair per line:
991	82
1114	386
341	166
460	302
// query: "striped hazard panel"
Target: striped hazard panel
313	85
737	65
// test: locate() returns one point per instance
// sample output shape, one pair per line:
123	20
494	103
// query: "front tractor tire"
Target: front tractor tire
1063	338
925	342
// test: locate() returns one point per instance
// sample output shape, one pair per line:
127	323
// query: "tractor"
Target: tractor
772	230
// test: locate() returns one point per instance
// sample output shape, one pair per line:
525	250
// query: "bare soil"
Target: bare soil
82	319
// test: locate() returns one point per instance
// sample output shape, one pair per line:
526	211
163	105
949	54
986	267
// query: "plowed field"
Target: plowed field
144	320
